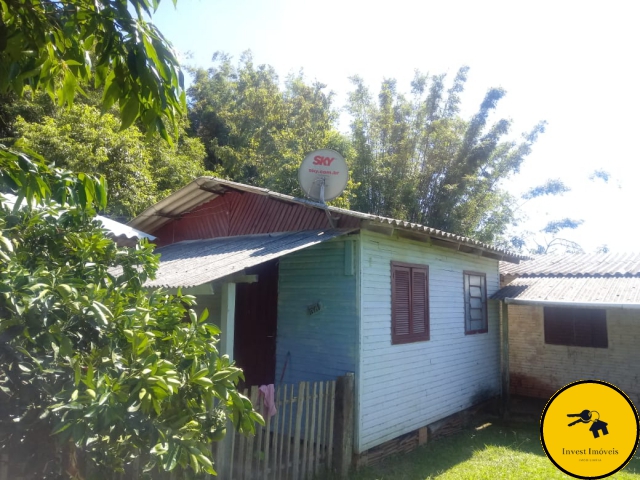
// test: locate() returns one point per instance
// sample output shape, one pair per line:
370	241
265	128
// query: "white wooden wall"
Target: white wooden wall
404	387
539	370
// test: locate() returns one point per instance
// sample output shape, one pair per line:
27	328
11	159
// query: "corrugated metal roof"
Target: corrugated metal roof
583	290
195	262
239	213
588	264
204	189
116	229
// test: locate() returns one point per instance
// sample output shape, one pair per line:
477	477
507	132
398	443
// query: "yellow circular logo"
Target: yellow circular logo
589	429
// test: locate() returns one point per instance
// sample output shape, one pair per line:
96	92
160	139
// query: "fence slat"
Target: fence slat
332	406
288	460
325	419
296	435
312	428
274	435
258	445
232	440
283	421
251	441
4	467
305	440
242	445
316	463
267	443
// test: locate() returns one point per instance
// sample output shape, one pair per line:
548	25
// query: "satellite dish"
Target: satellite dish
323	175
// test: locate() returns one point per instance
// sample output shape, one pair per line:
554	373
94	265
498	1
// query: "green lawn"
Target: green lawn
497	451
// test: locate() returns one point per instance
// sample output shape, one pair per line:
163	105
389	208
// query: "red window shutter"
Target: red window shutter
419	303
401	318
600	338
580	327
409	303
558	326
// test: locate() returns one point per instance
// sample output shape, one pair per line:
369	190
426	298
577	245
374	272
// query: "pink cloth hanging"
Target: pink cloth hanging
268	394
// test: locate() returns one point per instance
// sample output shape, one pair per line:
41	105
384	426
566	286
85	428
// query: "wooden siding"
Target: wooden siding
539	370
242	213
404	387
324	345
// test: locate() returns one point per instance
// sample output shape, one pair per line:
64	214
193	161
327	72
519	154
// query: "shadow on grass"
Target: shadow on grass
504	439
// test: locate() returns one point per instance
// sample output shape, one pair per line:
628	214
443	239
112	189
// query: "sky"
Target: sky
574	64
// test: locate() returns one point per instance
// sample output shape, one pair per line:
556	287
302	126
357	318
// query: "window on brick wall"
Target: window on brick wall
579	327
475	303
409	302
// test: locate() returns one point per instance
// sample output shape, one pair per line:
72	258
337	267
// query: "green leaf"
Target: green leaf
172	457
205	382
111	92
61	427
208	465
194	462
130	111
88	379
76	373
68	88
24	368
4	242
159	449
201	373
64	290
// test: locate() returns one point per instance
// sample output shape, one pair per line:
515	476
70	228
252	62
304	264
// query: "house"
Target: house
123	235
303	291
572	317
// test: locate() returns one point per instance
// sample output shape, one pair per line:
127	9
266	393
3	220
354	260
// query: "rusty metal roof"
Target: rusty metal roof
573	265
597	291
204	189
196	262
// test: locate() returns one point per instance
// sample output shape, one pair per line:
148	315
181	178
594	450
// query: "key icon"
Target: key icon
584	417
587	416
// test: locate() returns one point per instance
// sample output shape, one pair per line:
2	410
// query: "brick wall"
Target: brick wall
539	370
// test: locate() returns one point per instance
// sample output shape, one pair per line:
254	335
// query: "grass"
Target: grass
497	451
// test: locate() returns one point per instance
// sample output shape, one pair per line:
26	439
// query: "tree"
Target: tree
57	46
254	131
417	159
90	361
557	244
539	243
139	170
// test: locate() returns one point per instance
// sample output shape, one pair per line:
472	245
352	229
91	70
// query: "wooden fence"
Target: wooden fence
295	444
310	433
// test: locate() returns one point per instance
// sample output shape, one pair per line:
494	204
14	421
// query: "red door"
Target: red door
256	325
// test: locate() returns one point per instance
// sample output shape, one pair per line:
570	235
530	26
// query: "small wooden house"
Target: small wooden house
308	292
572	317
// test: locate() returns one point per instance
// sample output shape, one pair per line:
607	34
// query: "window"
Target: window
409	303
475	303
579	327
